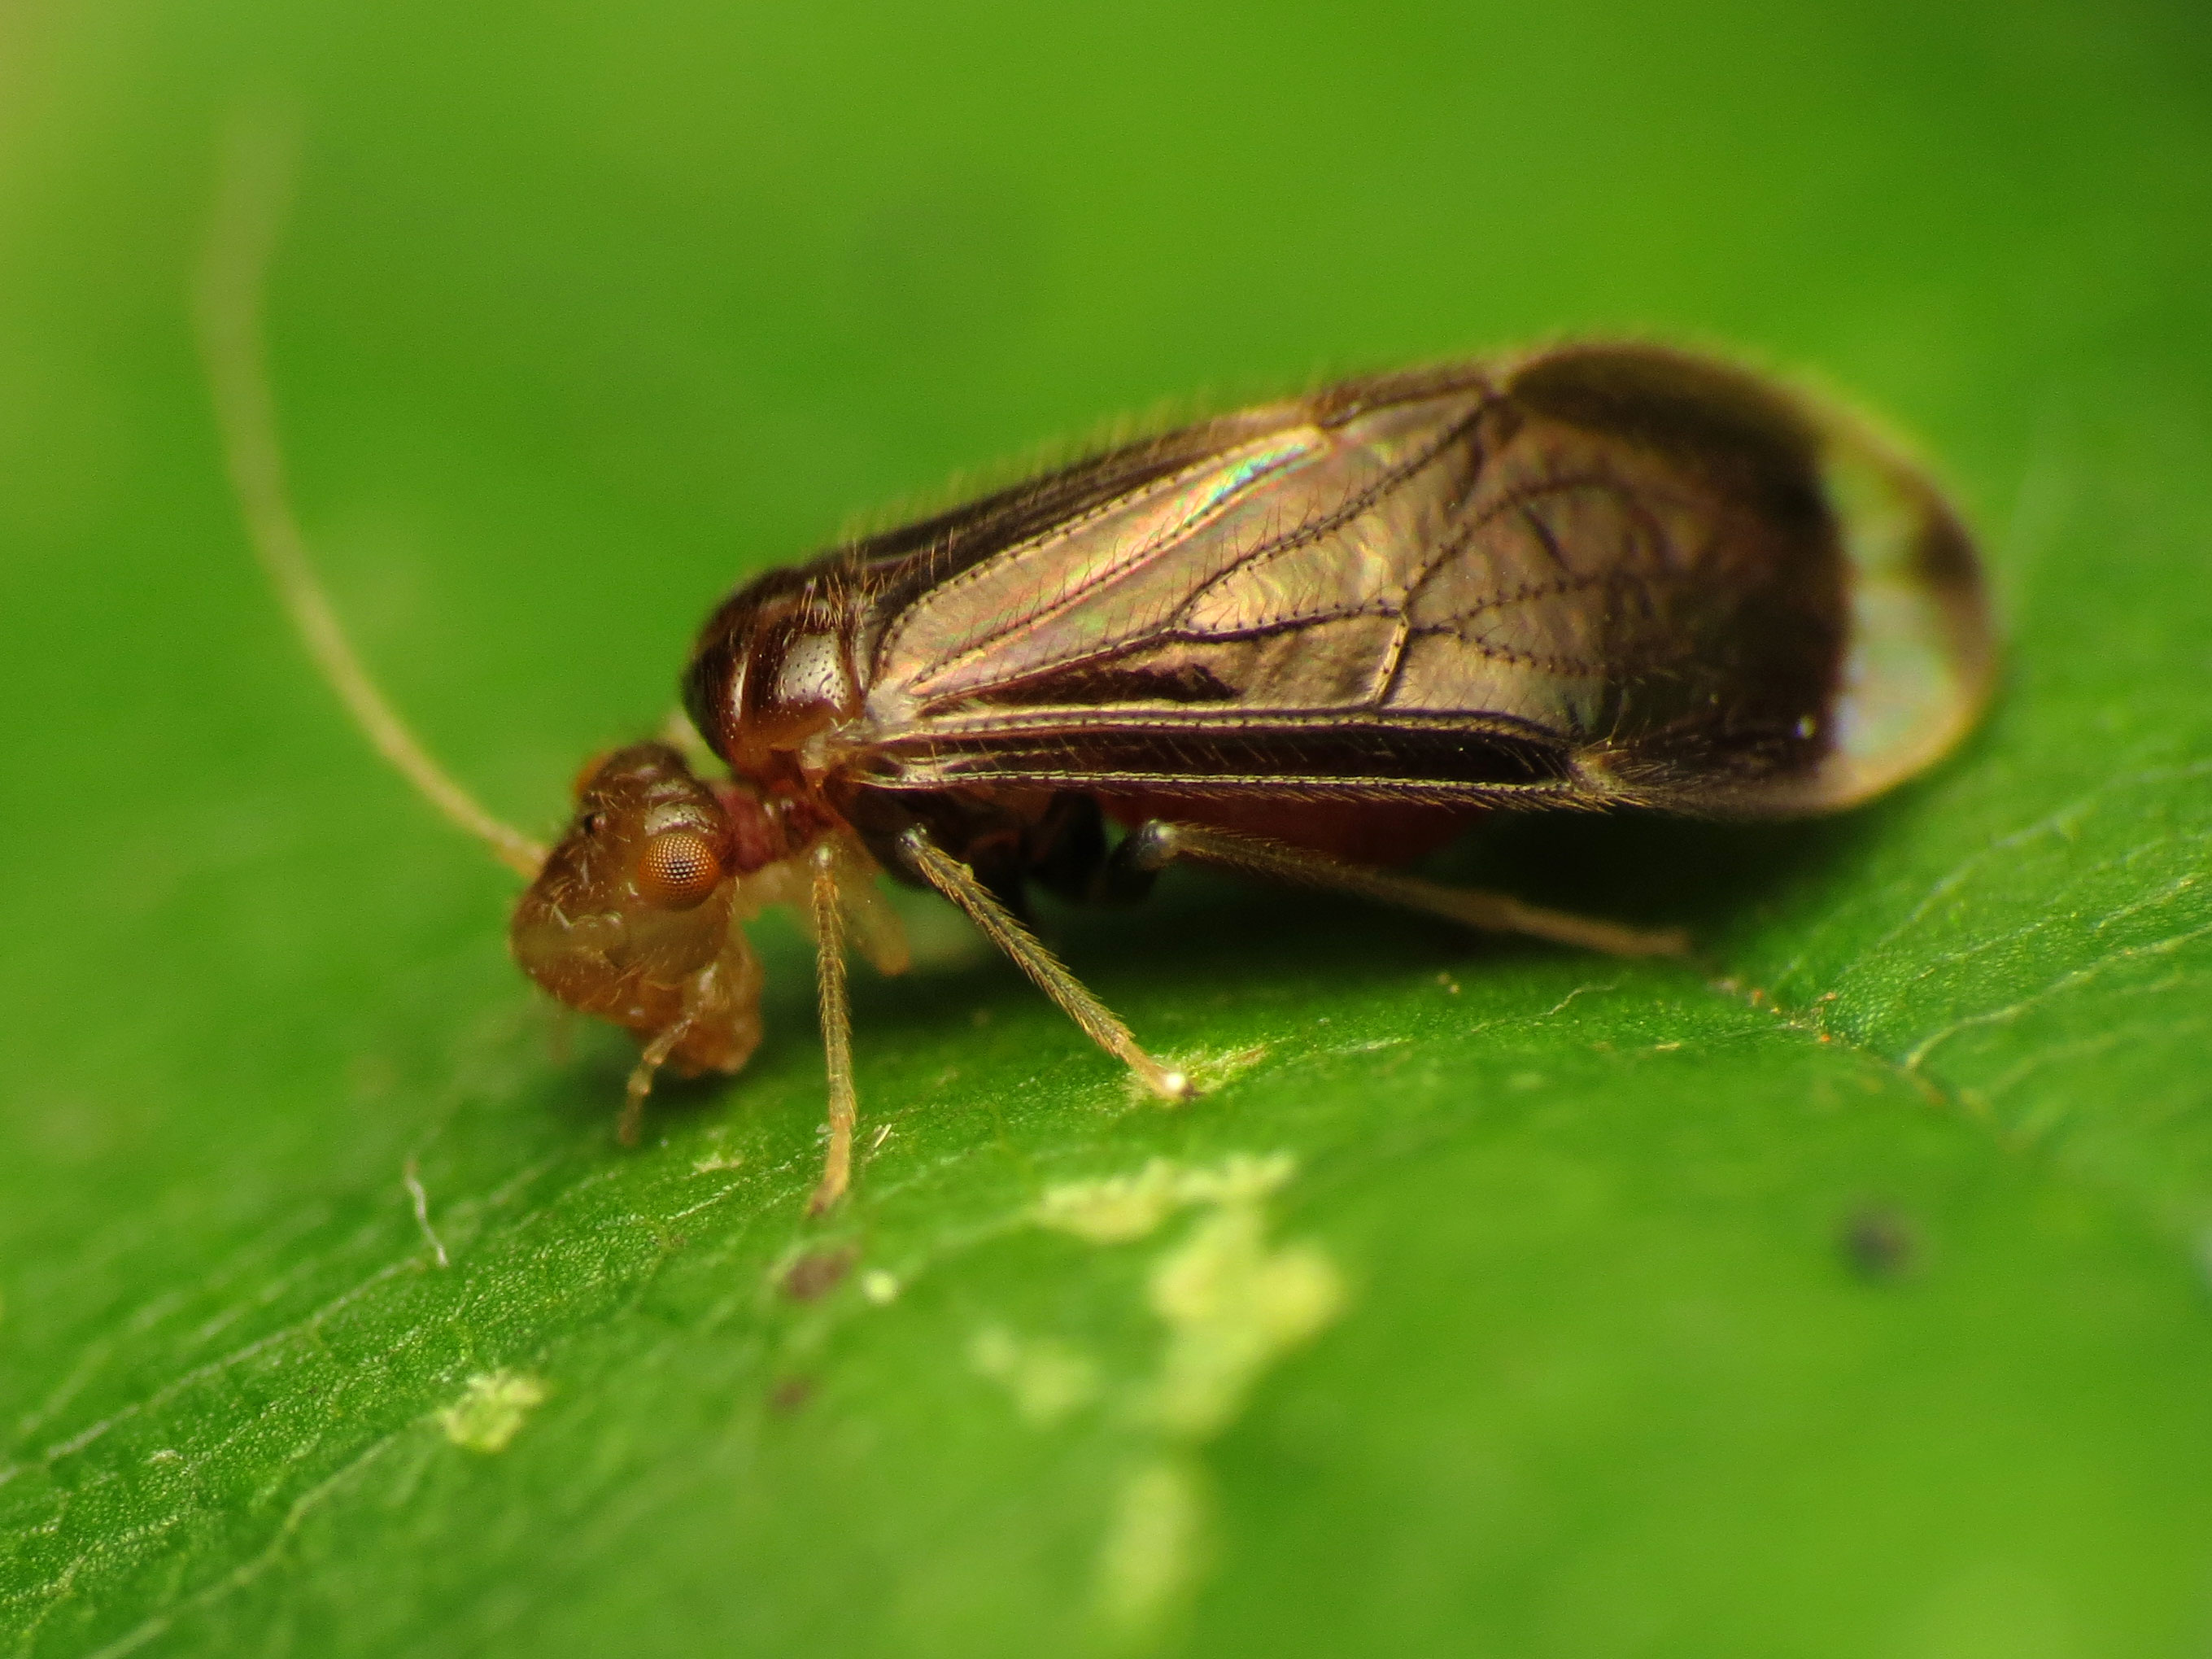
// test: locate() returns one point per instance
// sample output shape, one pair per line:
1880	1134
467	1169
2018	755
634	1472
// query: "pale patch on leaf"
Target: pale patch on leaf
1157	1546
1049	1380
491	1410
1113	1209
1233	1305
1240	1178
1118	1209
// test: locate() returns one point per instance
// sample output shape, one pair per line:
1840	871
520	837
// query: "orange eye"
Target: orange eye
678	869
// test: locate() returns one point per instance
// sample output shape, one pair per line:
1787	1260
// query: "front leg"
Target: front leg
632	1121
827	911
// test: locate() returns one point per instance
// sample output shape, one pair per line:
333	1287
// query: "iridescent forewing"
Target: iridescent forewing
1605	575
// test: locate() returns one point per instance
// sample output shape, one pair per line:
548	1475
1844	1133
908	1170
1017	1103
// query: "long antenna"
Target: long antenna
256	188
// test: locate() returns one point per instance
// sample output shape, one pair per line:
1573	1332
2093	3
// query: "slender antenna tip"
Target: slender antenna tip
258	161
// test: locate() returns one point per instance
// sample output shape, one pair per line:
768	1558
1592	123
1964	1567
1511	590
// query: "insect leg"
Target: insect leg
1154	845
877	934
641	1079
836	1030
958	882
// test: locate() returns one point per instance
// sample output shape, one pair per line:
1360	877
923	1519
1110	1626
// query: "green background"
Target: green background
1842	1292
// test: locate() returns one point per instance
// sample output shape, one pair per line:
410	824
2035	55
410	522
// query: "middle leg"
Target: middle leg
958	882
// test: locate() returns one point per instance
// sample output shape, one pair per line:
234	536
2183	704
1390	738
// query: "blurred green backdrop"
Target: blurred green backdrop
1841	1294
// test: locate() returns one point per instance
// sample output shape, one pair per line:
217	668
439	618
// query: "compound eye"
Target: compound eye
678	869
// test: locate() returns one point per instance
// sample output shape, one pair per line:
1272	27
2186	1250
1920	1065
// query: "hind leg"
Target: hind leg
1156	844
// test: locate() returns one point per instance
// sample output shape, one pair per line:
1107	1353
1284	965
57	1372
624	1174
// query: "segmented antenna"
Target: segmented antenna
256	186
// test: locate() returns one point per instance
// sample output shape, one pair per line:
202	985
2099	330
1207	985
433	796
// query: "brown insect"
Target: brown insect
1308	641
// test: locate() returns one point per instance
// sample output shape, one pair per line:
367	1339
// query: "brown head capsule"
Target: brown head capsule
1307	641
634	915
604	928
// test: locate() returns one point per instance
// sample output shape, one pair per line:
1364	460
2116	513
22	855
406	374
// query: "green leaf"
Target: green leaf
1840	1292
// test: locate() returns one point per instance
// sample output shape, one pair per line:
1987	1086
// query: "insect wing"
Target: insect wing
1610	574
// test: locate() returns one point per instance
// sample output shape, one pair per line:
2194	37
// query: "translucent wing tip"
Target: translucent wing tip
1923	656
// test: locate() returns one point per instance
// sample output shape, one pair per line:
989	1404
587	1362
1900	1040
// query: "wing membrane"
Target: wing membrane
1610	574
1137	569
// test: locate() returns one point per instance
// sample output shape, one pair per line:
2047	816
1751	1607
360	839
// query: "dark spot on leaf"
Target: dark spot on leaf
1879	1244
790	1394
818	1272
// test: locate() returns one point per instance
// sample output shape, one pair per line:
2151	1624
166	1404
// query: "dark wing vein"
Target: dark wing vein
1136	571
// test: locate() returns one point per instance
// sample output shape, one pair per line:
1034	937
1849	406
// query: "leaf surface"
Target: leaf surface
1840	1291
